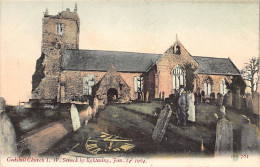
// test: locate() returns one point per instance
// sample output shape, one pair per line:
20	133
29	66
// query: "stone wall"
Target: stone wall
112	79
129	79
73	83
216	81
167	64
151	82
45	79
169	61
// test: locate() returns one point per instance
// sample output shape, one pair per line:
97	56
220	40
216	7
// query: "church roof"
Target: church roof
99	60
212	65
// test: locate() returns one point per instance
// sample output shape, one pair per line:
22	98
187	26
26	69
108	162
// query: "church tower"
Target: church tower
59	32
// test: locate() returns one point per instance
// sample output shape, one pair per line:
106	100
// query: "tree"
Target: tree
190	76
237	83
250	73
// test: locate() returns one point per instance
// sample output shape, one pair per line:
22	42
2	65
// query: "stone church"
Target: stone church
64	73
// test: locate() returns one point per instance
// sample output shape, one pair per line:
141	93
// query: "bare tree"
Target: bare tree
250	73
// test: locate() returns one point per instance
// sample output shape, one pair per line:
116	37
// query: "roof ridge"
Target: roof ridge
115	51
211	57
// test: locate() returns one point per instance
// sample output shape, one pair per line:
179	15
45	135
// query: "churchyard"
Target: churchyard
136	121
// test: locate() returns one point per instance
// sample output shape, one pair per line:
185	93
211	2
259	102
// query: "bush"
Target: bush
237	83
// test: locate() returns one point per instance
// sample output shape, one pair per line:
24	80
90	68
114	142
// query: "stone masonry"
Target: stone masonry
166	65
59	32
53	83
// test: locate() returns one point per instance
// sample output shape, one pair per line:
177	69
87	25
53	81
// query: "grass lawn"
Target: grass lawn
136	121
145	108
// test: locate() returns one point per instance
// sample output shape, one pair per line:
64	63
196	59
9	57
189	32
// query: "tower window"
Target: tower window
60	28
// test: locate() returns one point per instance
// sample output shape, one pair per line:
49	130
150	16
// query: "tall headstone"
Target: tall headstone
89	115
74	117
224	138
147	96
90	112
220	99
7	134
199	97
162	123
237	99
163	96
142	96
2	104
250	137
249	101
95	106
243	103
256	103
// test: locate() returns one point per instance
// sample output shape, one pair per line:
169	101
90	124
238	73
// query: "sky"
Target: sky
214	29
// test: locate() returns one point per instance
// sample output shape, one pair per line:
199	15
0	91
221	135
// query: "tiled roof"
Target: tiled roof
211	65
99	60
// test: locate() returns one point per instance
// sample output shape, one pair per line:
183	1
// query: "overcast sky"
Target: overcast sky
219	29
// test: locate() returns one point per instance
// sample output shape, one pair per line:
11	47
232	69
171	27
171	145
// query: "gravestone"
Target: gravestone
89	115
222	110
237	100
74	117
2	104
147	96
203	98
212	97
162	123
163	96
256	103
199	98
250	137
95	106
243	103
249	101
90	112
220	99
228	99
142	96
224	138
8	145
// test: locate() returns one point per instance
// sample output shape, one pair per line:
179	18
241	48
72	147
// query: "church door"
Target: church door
112	95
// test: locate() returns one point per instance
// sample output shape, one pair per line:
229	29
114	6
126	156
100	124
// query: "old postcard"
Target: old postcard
129	83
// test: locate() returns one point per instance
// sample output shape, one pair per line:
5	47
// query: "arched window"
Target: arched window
88	83
139	82
223	87
208	86
178	78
